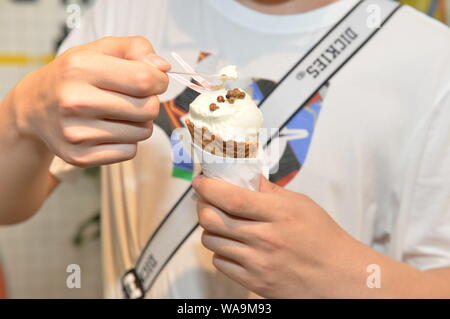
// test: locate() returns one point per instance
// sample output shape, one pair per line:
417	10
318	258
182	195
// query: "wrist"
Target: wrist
346	268
15	120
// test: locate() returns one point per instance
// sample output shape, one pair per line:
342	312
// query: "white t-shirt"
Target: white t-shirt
378	145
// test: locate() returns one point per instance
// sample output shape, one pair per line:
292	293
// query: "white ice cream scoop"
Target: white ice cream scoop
239	120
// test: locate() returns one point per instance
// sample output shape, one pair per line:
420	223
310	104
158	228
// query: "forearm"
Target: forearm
24	167
396	279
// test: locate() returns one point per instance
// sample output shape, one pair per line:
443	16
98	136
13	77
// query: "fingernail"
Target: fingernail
156	61
196	181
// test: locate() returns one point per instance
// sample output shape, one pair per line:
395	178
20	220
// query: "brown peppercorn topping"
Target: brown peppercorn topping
235	94
213	107
220	99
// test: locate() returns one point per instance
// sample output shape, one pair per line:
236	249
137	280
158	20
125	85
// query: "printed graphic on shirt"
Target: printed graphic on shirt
294	138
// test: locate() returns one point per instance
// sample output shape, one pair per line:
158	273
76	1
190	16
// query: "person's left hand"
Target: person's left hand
275	242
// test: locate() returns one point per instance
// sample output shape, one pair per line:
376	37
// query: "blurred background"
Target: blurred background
34	255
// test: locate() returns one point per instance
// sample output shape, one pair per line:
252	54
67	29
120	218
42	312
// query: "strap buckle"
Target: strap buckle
132	285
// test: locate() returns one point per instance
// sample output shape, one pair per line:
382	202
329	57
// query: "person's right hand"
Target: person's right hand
92	104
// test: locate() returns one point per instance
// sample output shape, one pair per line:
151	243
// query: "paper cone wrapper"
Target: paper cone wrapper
242	172
238	163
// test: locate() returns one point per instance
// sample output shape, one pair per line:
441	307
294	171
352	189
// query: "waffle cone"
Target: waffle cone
215	145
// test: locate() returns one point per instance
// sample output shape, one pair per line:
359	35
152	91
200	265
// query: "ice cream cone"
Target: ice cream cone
215	145
224	126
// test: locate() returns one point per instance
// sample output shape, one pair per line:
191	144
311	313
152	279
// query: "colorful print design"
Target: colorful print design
295	137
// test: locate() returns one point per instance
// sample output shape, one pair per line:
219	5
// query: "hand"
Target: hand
92	104
276	243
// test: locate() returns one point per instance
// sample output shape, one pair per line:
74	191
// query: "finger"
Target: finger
102	104
235	200
133	47
130	48
157	62
217	222
94	132
231	269
91	156
265	186
134	78
231	249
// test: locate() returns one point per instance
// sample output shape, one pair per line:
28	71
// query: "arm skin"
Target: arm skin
281	244
90	106
24	170
24	165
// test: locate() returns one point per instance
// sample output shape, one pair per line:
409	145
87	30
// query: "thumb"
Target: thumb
157	62
141	49
265	186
